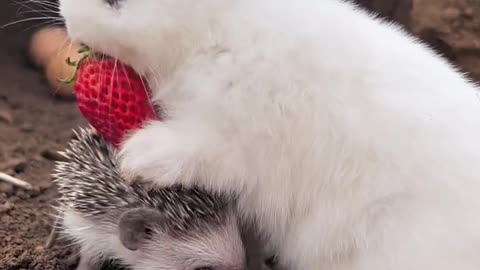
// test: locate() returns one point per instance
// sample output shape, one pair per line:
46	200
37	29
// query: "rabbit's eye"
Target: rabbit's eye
112	3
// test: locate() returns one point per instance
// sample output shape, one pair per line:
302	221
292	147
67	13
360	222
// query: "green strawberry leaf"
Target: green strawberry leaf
84	49
86	54
70	81
70	63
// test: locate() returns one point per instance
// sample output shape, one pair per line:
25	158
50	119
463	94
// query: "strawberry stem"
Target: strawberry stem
86	54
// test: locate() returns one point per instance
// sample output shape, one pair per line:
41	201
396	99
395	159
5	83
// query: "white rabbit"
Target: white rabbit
349	144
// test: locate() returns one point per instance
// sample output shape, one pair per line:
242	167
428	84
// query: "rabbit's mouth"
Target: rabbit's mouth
123	57
114	50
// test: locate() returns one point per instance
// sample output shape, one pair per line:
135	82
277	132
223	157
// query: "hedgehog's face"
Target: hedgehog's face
218	248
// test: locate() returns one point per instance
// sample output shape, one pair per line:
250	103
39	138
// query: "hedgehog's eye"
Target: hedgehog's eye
271	261
205	268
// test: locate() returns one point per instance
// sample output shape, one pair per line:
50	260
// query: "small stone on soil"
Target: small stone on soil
6	116
52	155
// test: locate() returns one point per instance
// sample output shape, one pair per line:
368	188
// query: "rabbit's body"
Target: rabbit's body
349	144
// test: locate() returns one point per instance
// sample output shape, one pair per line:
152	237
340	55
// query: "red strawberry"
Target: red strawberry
112	97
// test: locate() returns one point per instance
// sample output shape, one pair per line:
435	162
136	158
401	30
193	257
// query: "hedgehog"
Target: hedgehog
140	227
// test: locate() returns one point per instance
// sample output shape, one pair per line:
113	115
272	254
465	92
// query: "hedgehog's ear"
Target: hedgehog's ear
135	226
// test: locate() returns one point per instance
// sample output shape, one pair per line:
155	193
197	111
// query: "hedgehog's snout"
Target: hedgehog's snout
218	248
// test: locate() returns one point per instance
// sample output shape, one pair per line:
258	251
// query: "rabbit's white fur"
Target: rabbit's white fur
349	143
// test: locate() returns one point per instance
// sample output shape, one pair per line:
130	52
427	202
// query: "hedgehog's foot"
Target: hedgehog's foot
86	264
81	262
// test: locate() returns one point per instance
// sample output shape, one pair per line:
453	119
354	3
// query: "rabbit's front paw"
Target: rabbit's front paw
158	154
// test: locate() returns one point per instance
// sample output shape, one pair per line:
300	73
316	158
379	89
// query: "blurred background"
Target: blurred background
36	118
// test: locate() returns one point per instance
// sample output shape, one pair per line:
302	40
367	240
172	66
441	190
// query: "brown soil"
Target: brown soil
453	27
33	123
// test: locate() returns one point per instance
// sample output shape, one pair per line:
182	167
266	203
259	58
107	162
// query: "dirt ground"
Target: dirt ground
33	124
